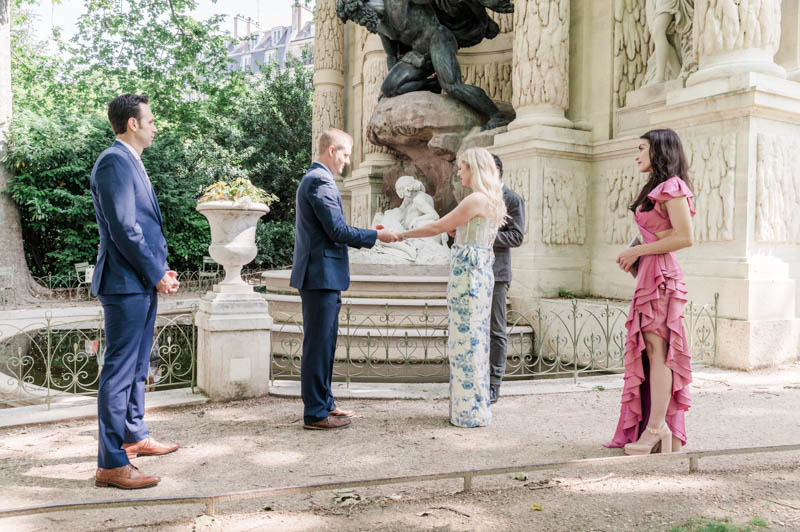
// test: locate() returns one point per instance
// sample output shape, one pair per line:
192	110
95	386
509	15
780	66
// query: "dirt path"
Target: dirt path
261	443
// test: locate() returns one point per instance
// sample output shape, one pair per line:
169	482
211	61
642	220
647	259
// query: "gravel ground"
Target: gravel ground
260	443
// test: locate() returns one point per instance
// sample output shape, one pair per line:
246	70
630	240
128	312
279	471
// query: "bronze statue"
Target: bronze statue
421	39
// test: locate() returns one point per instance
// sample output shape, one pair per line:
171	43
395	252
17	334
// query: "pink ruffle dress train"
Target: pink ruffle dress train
657	307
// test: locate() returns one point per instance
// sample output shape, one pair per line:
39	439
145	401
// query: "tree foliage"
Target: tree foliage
213	123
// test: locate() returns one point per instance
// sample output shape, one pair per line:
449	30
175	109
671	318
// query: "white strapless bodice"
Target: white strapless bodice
479	232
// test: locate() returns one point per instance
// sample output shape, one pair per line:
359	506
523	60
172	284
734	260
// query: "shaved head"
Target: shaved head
336	138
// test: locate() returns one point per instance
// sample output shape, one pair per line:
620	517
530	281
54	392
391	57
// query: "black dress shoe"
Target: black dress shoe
494	393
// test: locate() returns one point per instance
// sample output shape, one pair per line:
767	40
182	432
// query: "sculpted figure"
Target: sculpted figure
416	210
670	25
421	39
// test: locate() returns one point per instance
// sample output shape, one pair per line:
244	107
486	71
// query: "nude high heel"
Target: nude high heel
662	444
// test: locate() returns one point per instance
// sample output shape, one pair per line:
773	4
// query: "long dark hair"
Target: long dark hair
666	160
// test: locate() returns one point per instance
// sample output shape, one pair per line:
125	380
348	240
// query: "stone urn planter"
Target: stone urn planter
233	238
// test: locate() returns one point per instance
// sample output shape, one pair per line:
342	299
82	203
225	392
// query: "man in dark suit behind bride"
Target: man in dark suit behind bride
509	235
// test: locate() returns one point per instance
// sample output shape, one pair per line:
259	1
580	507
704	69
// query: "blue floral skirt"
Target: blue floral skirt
469	304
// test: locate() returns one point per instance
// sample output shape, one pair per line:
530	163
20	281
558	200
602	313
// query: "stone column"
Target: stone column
366	182
540	76
735	37
328	103
789	53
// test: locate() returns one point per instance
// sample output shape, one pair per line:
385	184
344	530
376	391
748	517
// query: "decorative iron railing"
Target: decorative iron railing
555	339
56	360
74	287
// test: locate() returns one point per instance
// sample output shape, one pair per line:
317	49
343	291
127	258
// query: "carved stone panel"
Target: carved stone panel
519	180
563	207
328	37
373	73
777	190
631	47
328	110
712	169
504	20
493	78
360	211
725	25
540	74
622	187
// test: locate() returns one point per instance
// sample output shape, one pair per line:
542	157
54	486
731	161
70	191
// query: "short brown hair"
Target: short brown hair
334	137
123	107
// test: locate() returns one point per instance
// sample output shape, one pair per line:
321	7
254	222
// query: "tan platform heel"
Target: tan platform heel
662	443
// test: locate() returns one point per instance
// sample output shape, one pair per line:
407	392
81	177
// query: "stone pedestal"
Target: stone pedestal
233	345
549	167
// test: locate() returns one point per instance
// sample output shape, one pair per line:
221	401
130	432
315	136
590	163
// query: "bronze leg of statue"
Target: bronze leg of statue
448	72
403	78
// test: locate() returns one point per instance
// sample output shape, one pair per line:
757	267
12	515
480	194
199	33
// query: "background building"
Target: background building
252	47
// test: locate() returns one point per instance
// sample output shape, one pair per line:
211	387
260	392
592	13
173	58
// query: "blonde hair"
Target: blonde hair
334	137
486	179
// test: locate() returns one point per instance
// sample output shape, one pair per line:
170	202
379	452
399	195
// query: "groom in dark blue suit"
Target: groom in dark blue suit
321	270
131	269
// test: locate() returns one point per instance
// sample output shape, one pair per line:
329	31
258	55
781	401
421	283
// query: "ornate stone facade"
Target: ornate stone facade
712	169
563	207
777	190
373	73
328	100
493	78
540	72
622	186
519	180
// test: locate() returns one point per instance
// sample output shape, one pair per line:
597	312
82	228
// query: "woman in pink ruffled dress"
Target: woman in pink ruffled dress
658	368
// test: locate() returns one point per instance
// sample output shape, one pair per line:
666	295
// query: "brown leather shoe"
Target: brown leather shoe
127	477
341	412
149	447
329	422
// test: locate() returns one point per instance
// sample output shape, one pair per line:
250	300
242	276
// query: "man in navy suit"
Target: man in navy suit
321	270
131	269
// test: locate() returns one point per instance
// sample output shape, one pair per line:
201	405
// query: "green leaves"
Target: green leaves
213	124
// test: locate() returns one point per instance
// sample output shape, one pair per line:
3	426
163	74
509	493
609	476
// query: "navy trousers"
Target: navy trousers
320	327
129	321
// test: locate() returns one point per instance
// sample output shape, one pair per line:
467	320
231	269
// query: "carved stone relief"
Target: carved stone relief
328	37
360	211
519	180
724	25
328	110
622	187
563	207
712	169
540	73
493	78
374	71
631	47
777	190
504	20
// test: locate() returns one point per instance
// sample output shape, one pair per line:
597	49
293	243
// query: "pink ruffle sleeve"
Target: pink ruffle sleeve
672	188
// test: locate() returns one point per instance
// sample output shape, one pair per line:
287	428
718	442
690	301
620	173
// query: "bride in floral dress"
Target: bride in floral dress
469	290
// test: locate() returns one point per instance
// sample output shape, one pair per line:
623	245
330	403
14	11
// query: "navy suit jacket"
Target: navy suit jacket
132	258
322	234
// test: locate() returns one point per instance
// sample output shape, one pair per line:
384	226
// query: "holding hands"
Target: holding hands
387	235
169	283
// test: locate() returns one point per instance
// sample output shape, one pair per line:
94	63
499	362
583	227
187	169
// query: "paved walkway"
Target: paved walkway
260	443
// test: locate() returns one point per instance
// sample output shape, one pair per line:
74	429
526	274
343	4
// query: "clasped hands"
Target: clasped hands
169	283
388	235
